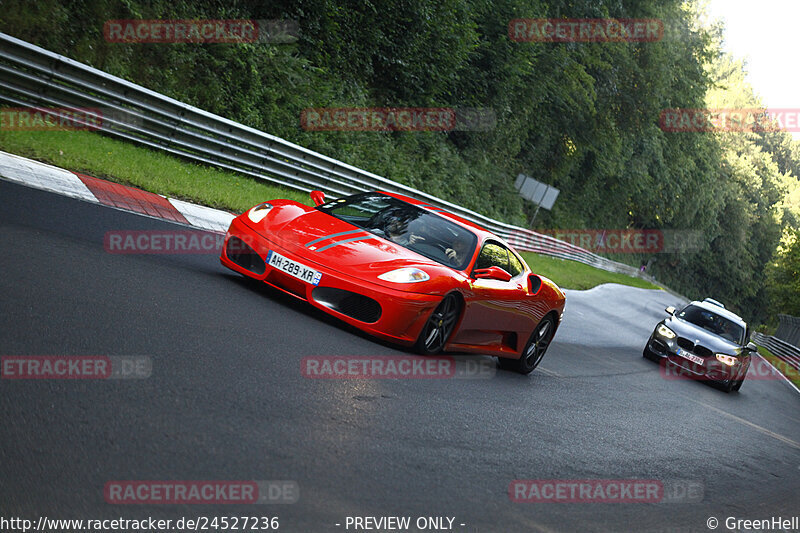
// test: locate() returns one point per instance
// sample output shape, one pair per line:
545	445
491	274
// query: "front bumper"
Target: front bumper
710	369
401	314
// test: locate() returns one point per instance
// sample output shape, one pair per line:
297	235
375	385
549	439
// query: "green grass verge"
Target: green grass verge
125	163
784	368
574	275
121	162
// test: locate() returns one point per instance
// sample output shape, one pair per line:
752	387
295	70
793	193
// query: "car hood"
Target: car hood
700	336
317	237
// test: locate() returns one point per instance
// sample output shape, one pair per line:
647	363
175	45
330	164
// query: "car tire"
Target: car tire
737	384
534	350
733	384
440	326
647	354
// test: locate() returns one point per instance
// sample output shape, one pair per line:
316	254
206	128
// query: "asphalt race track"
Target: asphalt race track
227	401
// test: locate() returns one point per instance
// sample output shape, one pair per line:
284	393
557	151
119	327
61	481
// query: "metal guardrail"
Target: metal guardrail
32	76
789	329
782	349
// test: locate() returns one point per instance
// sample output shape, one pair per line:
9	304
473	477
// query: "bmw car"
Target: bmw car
704	340
401	270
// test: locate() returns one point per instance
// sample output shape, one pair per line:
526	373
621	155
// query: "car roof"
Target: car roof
721	311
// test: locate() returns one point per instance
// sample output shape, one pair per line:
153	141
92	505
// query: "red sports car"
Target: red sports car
402	270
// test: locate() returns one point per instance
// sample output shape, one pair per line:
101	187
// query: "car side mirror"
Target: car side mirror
752	347
493	272
670	310
318	197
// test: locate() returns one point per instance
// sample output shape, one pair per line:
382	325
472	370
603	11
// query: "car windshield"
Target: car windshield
407	225
714	323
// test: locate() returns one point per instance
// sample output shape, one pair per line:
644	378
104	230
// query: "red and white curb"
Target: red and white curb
57	180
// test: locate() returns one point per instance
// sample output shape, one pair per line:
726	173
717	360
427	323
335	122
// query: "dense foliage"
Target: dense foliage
583	117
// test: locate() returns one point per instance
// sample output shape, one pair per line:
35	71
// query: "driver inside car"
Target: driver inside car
458	252
395	230
404	232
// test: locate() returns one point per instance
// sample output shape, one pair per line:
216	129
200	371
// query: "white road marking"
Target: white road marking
202	216
758	428
43	176
787	380
53	179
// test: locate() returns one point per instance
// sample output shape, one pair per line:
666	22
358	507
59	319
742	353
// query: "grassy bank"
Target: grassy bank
784	368
574	275
121	162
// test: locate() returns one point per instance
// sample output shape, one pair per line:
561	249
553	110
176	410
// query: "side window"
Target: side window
514	265
492	254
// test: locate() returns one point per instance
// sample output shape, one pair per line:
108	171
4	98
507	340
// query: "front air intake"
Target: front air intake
348	303
243	255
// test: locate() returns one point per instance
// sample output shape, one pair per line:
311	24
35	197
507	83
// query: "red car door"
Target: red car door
494	311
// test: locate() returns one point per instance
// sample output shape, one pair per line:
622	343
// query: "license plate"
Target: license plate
690	356
293	268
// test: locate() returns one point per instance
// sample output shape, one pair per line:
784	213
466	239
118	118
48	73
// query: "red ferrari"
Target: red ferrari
402	270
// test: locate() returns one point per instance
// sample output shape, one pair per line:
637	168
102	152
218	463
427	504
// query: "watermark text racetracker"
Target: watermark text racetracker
605	491
647	241
75	367
397	367
759	369
403	119
65	118
177	242
163	242
557	30
729	120
201	492
227	31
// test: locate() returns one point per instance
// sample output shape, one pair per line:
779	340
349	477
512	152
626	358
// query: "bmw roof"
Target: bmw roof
714	308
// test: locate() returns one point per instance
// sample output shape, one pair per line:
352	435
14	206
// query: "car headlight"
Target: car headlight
726	359
405	275
665	332
258	213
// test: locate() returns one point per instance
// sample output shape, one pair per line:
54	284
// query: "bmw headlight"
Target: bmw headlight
726	359
258	213
665	332
405	275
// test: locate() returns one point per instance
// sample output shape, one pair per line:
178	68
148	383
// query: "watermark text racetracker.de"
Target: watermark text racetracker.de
75	367
201	492
759	369
65	118
400	119
605	491
182	242
201	31
397	367
163	242
729	120
646	241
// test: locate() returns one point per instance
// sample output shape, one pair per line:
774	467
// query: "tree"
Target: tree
784	276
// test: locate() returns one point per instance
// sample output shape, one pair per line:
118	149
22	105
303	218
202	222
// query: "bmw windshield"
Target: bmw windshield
713	323
407	225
